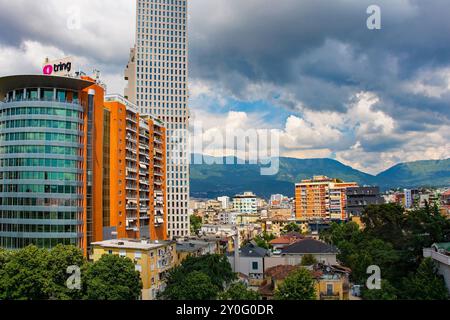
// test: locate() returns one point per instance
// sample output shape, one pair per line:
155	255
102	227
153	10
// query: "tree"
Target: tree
425	284
24	275
194	286
238	291
59	259
215	266
338	233
291	227
112	278
385	222
387	292
308	260
423	227
262	240
299	285
196	223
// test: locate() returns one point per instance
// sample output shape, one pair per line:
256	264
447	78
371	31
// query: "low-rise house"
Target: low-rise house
440	253
276	225
294	253
247	218
249	261
194	248
153	259
331	282
286	240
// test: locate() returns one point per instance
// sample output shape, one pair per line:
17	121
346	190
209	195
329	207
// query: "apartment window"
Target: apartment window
138	255
330	289
138	267
122	253
255	265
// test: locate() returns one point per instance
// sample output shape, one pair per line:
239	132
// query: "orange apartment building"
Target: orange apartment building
321	198
138	171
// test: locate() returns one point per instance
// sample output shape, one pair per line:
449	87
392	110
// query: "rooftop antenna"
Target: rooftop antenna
97	74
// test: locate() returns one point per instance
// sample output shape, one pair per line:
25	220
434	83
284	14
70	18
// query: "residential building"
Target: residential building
51	161
247	218
408	199
249	261
195	248
321	198
276	200
294	253
286	240
273	278
225	201
445	203
440	253
228	217
277	224
330	282
359	198
153	259
287	213
429	198
157	75
245	203
138	173
216	229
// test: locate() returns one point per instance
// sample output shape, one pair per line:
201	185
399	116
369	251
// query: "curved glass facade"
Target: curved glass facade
41	168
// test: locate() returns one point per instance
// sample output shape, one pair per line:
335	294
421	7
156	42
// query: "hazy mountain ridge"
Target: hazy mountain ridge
209	181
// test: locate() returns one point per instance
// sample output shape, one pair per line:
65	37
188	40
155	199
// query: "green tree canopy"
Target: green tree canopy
299	285
387	292
393	240
425	284
262	240
291	227
238	291
24	275
195	285
215	266
59	259
196	223
112	278
308	260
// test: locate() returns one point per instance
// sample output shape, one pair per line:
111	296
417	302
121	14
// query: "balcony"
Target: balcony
440	257
329	296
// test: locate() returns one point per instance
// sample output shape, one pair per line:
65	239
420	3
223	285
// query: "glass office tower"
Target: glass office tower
46	182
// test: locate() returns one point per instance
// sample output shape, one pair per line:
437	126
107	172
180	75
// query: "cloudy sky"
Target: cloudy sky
310	69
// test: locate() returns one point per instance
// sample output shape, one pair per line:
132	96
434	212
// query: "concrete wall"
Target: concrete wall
443	263
245	265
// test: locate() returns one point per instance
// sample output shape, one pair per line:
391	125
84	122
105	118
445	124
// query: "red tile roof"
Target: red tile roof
280	272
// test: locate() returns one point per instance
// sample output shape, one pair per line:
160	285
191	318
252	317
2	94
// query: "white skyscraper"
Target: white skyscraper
157	75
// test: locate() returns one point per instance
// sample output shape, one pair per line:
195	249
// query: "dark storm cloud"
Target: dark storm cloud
48	23
322	53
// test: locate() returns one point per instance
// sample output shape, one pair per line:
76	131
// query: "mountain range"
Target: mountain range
211	181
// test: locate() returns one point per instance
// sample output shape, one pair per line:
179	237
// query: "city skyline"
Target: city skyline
386	91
